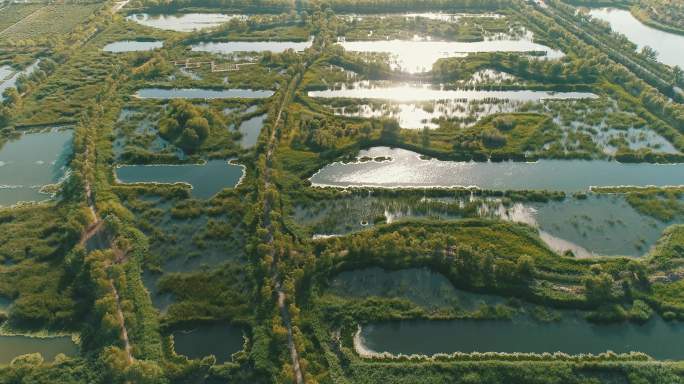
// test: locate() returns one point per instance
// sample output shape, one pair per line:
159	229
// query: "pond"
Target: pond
668	45
408	170
185	22
198	93
419	285
572	335
49	347
132	46
415	106
251	46
598	225
219	340
407	93
31	162
419	56
206	179
250	129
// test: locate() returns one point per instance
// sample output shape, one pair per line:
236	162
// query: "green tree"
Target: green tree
598	288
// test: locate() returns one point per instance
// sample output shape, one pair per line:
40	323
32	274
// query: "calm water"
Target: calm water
132	45
206	179
30	162
250	129
419	56
197	93
49	347
251	46
668	45
407	170
218	340
407	93
186	22
419	285
600	225
572	335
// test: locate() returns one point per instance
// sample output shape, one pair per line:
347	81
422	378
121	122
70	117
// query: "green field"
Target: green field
36	22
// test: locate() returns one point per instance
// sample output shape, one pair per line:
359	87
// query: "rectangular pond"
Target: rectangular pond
668	45
419	56
182	22
132	46
572	335
220	340
32	161
206	179
48	347
251	46
198	93
408	170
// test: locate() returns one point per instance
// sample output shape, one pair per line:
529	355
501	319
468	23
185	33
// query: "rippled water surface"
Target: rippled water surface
407	169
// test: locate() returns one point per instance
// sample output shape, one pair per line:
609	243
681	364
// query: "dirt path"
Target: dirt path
282	297
122	323
117	7
92	230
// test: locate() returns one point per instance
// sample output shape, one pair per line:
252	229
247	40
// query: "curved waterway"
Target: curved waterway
218	340
572	335
668	45
31	162
198	93
251	46
184	22
48	347
419	56
408	170
206	179
132	46
9	77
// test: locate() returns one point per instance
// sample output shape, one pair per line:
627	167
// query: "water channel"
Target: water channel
668	45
